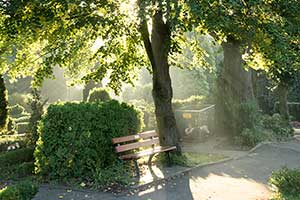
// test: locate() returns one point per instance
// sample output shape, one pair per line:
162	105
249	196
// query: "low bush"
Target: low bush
255	127
16	164
117	173
287	184
16	157
22	191
75	139
280	128
11	142
98	94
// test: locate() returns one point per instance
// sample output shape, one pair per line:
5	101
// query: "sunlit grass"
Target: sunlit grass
187	159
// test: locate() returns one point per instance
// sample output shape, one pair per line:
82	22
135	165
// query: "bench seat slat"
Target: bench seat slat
144	135
135	145
147	152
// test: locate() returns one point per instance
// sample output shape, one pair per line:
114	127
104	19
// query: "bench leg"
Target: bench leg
169	159
136	166
150	159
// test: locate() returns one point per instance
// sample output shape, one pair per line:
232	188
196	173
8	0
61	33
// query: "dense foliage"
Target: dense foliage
287	183
22	191
75	139
98	94
258	127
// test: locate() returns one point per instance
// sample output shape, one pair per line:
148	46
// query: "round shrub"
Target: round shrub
98	94
75	139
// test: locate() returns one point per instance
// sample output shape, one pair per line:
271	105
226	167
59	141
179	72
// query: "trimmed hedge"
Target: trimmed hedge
16	164
21	191
16	157
11	142
98	94
75	138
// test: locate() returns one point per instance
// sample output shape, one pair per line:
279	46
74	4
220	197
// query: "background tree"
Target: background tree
234	25
3	105
64	31
281	48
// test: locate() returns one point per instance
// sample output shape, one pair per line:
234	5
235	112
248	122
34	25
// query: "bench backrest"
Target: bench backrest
148	138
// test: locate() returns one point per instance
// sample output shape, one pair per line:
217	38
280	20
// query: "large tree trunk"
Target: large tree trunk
283	100
158	51
3	105
162	89
234	87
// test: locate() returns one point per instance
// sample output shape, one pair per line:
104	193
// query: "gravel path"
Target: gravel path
244	178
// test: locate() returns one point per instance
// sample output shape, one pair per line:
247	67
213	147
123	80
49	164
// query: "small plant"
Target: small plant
118	173
98	94
21	191
287	184
37	111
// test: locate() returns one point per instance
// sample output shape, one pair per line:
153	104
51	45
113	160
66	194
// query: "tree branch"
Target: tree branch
145	34
146	40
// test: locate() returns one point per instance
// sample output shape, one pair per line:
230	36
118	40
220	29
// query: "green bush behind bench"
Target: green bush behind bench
75	138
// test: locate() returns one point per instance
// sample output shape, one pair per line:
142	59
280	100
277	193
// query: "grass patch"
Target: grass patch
188	159
193	159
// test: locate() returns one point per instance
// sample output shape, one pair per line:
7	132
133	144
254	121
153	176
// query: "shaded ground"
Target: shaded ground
215	145
244	178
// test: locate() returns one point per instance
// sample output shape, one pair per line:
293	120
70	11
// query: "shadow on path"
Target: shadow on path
239	179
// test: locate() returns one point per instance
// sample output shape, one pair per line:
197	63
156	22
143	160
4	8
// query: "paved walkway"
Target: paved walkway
244	178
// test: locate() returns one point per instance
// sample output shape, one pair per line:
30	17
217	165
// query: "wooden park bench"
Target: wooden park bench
148	140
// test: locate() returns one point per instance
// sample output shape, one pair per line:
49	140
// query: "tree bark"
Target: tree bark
283	100
234	86
3	105
158	50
